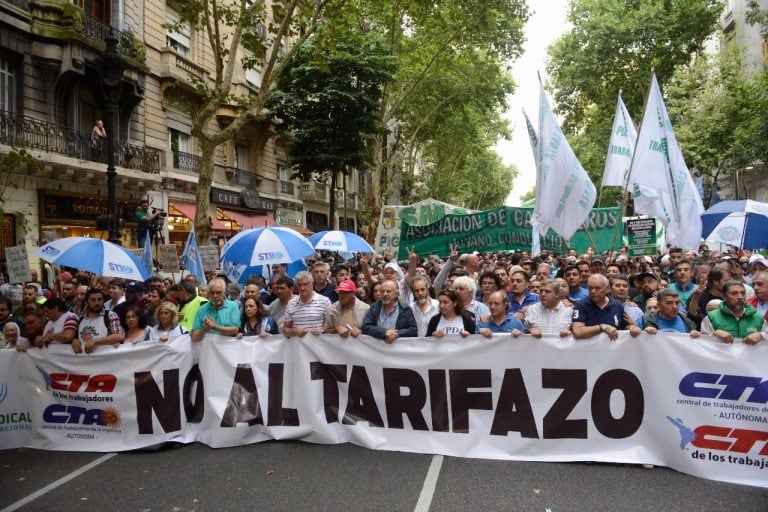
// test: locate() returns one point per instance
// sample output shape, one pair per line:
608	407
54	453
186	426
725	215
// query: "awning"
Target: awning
189	209
249	221
299	229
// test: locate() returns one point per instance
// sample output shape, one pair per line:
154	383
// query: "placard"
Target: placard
210	256
17	260
641	237
168	258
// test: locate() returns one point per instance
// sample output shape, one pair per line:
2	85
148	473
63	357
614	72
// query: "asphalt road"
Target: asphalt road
292	476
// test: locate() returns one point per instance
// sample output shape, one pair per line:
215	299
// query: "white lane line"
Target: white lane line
61	481
430	482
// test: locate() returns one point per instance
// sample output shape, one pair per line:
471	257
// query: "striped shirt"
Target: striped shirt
550	321
66	322
307	315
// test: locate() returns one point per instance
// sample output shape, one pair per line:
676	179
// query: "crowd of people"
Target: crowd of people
722	294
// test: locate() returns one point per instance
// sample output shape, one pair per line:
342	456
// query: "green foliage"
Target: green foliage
612	47
327	100
14	166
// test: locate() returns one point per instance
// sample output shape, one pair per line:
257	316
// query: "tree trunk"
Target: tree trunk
332	206
202	199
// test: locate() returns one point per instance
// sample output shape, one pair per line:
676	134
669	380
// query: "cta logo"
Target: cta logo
73	383
74	414
725	387
720	438
268	256
123	269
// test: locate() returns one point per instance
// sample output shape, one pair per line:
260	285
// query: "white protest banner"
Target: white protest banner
17	261
169	258
659	179
420	214
623	140
698	406
15	412
564	193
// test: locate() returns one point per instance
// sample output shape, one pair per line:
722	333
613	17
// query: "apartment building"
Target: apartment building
54	87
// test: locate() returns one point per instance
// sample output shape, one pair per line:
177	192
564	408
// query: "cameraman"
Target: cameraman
144	221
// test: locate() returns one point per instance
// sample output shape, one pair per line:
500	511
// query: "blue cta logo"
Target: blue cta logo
724	387
267	256
73	414
331	243
123	269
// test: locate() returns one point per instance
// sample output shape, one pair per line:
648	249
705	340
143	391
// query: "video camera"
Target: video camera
160	212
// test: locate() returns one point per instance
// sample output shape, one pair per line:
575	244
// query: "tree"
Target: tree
231	33
327	101
612	47
423	35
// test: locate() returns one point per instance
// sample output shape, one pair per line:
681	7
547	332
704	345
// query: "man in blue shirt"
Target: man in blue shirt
668	318
521	296
500	320
600	313
218	316
573	278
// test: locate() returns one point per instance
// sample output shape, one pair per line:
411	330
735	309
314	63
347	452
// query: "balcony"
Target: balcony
313	191
21	4
242	178
179	68
30	133
287	188
186	162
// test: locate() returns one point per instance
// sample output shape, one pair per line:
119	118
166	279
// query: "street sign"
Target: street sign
641	237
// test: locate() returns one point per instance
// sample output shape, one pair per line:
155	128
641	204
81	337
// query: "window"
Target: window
179	41
241	156
7	84
253	76
282	171
179	141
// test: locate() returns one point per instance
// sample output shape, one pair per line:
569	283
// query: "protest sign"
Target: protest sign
504	229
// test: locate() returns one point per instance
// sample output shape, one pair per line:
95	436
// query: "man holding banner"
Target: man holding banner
599	313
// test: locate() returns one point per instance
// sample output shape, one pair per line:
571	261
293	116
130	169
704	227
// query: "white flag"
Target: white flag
564	193
534	138
659	179
623	139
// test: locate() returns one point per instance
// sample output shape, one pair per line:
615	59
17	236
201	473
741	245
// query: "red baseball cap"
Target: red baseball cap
346	285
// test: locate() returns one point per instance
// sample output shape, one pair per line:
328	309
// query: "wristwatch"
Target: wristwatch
602	327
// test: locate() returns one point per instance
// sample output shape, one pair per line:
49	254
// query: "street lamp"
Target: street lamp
112	79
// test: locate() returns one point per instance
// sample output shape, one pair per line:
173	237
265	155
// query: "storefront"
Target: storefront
181	217
243	210
66	214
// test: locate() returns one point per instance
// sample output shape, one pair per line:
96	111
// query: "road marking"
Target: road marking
61	481
430	482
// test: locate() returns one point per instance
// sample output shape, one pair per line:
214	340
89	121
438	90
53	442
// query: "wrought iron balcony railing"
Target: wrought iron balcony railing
242	178
186	162
27	132
287	187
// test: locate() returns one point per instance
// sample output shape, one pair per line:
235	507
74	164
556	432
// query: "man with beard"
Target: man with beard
219	315
29	296
521	297
68	292
549	315
735	318
649	285
423	306
97	326
345	316
306	313
389	319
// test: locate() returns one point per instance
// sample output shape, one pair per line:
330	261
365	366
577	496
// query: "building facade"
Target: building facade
52	75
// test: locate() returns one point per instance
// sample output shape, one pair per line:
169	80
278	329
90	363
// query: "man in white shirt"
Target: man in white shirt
549	315
423	306
96	326
305	313
61	326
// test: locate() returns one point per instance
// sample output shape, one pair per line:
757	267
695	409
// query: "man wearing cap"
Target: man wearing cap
757	263
597	265
133	295
389	319
345	316
600	313
306	312
735	318
61	326
648	282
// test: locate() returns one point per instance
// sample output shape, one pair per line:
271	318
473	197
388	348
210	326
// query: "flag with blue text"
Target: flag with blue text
564	193
659	179
620	148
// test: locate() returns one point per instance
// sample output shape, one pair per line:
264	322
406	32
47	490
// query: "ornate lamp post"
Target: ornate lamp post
112	79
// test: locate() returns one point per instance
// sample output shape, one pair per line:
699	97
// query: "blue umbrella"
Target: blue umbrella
241	272
265	246
101	257
339	241
742	223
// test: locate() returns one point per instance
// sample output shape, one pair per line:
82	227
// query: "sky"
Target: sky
545	25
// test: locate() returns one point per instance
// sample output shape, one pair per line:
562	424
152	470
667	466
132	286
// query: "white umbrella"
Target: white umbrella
101	257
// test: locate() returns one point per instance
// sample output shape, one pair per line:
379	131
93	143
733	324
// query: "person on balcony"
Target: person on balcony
98	140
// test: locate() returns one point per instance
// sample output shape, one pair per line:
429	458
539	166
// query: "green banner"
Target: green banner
505	229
